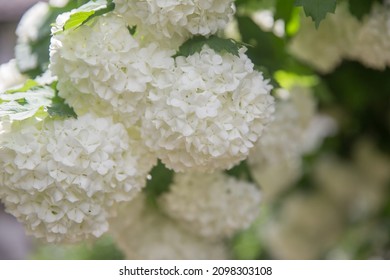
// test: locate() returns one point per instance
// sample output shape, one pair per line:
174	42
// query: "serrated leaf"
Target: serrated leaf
58	108
317	9
195	45
88	12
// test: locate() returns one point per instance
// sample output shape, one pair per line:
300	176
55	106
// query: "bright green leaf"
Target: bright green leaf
28	85
317	9
87	12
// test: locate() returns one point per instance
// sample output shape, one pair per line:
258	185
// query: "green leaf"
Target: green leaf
360	8
29	101
161	179
59	108
28	85
241	171
317	9
88	12
284	10
195	45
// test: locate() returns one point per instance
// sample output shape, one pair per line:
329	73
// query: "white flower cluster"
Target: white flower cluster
217	107
359	188
372	46
214	206
103	64
176	20
297	129
325	47
60	178
202	112
305	227
142	232
10	75
341	36
27	32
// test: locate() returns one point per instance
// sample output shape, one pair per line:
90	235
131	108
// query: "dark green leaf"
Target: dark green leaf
317	9
360	8
160	182
241	171
195	45
284	10
59	108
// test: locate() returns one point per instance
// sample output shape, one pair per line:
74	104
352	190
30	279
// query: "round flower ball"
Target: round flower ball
214	206
214	111
102	65
172	22
142	232
61	177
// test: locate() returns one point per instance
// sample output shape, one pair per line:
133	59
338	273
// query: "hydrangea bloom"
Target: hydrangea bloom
27	32
304	227
357	189
142	232
372	46
176	20
325	47
10	75
60	177
103	63
279	149
216	108
214	206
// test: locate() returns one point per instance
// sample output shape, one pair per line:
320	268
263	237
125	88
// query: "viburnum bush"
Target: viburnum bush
189	129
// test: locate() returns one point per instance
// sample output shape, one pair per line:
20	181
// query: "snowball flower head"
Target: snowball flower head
142	232
27	33
176	20
279	149
214	206
60	177
10	75
103	63
304	227
372	47
209	118
325	47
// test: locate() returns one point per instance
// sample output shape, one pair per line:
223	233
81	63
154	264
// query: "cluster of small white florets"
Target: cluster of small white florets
325	47
202	112
10	75
304	227
106	66
217	107
358	188
143	232
177	20
341	35
27	33
297	129
60	177
133	98
214	206
372	46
